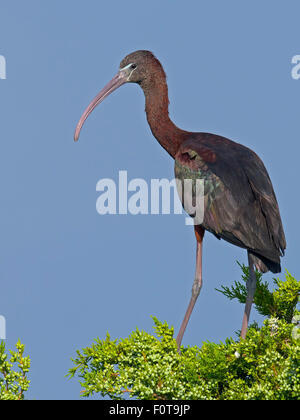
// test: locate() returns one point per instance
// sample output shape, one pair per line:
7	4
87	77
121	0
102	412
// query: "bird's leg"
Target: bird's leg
199	232
251	286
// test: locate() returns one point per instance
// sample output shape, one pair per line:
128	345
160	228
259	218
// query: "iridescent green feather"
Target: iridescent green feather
213	186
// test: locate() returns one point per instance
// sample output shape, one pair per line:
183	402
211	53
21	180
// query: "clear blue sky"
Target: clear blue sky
67	274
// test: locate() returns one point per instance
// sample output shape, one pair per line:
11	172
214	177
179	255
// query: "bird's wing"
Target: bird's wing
240	203
262	189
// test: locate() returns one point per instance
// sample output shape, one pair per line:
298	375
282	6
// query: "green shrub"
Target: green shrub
263	366
13	383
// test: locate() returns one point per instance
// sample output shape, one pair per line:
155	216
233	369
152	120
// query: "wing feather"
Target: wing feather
241	207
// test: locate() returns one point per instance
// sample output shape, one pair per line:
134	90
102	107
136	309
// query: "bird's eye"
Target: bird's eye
133	66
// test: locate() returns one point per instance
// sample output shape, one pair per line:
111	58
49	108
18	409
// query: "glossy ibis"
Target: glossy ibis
240	203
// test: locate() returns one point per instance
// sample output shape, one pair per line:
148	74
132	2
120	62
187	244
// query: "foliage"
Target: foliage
263	366
13	380
280	303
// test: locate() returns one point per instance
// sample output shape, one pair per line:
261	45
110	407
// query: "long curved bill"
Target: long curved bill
119	79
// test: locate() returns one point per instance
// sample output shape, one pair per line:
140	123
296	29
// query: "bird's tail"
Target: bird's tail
264	264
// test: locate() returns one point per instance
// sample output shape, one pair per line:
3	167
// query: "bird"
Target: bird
240	204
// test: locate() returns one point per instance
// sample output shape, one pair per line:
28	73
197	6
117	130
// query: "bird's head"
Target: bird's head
140	67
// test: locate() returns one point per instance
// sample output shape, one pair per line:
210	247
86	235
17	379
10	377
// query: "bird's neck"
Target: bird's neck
164	130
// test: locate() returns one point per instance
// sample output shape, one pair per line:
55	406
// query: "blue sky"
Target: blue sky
67	274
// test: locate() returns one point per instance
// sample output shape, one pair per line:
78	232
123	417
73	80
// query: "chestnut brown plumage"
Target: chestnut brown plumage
240	203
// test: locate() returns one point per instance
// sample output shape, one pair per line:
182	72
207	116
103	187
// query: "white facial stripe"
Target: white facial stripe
126	67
